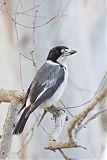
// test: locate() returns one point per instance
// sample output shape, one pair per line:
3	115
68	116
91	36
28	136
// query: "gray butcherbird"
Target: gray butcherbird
47	86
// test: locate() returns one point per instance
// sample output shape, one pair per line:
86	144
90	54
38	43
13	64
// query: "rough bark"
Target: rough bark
6	138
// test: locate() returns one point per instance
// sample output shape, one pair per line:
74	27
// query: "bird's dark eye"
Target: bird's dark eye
64	50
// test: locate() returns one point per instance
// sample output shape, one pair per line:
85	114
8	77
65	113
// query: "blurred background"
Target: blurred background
77	24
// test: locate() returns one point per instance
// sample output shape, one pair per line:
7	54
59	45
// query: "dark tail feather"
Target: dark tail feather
21	123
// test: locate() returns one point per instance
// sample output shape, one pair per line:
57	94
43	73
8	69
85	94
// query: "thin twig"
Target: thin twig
65	157
81	116
91	118
77	106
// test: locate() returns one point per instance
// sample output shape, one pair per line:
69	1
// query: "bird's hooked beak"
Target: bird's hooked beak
72	52
69	52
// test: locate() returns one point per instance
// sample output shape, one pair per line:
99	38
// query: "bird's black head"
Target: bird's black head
59	51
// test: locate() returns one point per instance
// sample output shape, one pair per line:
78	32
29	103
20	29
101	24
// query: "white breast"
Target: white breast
57	95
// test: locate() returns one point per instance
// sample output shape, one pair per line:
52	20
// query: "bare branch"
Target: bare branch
6	138
91	118
96	92
8	95
80	117
59	122
65	157
60	118
41	118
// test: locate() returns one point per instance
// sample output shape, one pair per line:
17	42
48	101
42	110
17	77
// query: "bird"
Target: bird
47	86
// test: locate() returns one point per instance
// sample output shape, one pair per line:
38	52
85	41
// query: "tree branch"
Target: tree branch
15	97
76	121
6	138
8	95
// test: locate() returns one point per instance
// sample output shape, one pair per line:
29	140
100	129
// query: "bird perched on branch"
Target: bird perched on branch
47	86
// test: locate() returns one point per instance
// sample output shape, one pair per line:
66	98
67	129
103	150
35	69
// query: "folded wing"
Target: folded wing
47	80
